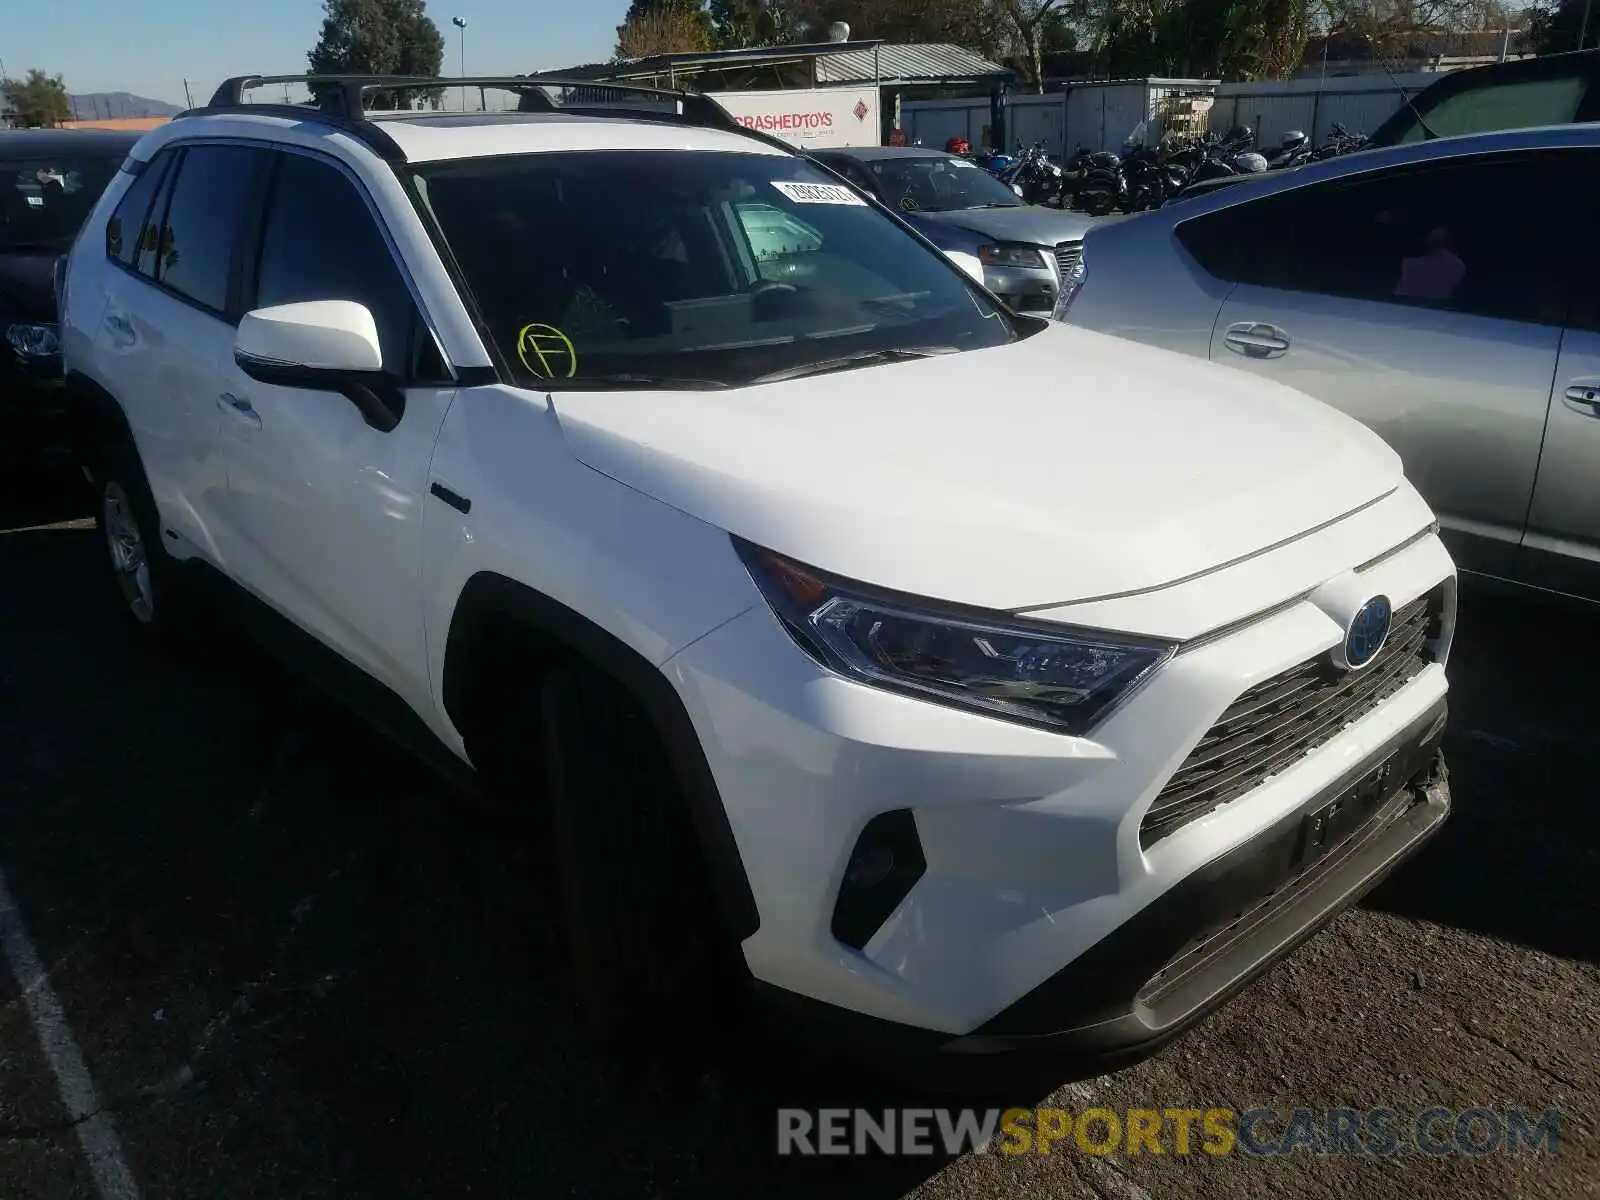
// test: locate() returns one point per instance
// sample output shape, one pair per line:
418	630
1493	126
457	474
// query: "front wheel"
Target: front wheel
651	967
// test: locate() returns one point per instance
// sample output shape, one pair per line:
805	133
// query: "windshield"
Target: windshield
44	201
642	268
939	184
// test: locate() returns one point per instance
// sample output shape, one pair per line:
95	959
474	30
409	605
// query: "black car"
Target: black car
49	180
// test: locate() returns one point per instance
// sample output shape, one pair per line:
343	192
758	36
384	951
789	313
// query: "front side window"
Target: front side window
321	242
1448	235
932	184
194	255
639	268
44	199
1502	106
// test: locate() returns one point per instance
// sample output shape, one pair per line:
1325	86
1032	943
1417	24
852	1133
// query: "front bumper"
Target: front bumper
1024	289
1029	916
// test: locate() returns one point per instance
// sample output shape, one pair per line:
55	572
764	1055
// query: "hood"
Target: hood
1032	223
27	285
1067	466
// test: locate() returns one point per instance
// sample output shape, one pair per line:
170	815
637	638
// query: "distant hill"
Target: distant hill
102	105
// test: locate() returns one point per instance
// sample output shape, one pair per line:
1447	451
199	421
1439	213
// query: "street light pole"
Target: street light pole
461	24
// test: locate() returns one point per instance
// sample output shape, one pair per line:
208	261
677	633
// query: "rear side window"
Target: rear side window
320	242
209	198
1503	106
1448	235
127	226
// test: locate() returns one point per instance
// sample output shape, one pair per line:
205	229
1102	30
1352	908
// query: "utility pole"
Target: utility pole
461	24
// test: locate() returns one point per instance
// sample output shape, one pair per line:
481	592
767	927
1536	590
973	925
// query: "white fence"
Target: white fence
1096	115
1358	102
1100	115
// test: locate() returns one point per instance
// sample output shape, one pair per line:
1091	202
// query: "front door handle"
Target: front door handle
1583	396
1256	339
239	408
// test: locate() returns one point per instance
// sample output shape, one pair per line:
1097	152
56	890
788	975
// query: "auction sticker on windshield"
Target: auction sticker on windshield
818	193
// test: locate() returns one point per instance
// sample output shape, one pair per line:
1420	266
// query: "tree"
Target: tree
40	101
745	24
1031	23
665	30
1558	27
379	37
664	27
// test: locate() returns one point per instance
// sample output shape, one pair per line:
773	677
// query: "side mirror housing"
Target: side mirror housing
320	345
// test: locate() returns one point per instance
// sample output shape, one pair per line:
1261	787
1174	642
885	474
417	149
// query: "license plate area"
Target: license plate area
1326	826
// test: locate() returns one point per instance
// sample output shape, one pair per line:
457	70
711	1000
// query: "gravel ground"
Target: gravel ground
298	966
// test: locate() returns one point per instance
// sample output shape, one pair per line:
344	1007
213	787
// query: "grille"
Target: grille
1277	722
1067	256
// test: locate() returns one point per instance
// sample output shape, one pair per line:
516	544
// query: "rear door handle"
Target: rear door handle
1256	339
239	408
1583	396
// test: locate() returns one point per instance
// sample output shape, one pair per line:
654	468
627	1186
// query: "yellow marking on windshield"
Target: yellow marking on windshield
544	350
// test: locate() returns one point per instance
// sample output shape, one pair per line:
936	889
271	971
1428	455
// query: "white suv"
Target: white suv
972	680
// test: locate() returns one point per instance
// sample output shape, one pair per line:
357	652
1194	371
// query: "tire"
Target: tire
652	968
138	567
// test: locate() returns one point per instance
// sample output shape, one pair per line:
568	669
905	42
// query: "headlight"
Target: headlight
33	341
1031	672
1010	254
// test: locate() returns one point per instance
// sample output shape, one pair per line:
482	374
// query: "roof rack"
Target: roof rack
340	101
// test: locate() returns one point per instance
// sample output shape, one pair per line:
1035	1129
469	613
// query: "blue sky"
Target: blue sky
149	47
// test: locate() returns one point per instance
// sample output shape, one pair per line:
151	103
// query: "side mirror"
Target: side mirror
321	345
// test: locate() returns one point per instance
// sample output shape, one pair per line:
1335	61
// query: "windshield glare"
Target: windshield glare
701	268
44	201
931	184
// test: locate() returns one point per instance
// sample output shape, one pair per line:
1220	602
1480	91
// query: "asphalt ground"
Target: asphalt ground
294	964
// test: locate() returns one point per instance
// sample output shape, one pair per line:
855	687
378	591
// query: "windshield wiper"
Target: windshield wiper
630	380
8	247
848	361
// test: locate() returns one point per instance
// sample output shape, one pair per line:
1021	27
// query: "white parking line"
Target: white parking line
96	1135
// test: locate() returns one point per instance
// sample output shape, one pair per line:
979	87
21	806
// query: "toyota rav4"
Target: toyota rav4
974	681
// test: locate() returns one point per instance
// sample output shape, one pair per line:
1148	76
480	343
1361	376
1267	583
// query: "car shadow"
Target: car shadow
299	965
1520	854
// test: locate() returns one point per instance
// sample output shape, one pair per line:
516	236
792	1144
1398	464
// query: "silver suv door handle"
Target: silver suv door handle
1256	339
1583	396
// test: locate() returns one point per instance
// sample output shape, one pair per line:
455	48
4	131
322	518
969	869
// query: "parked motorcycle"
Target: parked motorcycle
1295	150
1103	187
1340	141
1038	178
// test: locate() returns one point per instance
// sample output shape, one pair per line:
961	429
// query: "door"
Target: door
1561	549
168	322
1421	301
327	509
